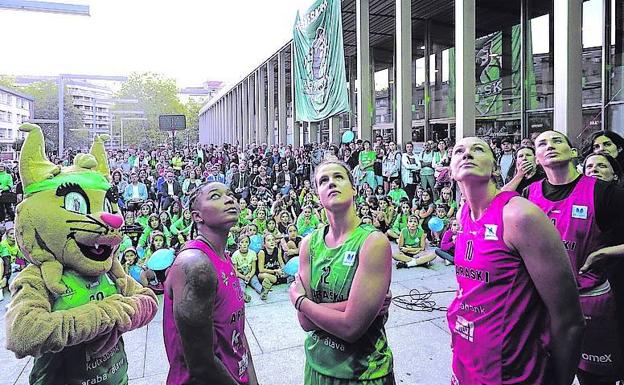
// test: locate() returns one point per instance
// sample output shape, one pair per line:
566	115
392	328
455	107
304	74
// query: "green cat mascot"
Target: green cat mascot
71	305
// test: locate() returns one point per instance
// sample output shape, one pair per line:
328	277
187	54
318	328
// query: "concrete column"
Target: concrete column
568	117
261	133
334	130
296	125
352	95
403	80
245	113
465	67
427	81
270	68
239	102
257	107
282	129
313	132
252	108
365	129
221	121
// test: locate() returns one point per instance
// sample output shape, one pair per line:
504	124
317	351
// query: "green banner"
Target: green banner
319	65
488	76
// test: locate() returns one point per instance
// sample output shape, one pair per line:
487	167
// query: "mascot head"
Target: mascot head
66	216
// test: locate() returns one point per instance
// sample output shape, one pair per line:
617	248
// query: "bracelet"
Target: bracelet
299	301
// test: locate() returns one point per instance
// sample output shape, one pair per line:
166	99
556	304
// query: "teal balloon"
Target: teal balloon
436	224
348	136
292	266
161	259
255	243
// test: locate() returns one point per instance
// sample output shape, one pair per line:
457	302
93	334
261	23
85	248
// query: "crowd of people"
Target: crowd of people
412	196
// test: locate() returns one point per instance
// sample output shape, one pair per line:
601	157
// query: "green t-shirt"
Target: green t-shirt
366	157
410	240
77	365
396	195
332	272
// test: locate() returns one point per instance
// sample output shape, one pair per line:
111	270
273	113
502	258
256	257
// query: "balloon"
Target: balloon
255	243
436	224
348	136
292	266
160	260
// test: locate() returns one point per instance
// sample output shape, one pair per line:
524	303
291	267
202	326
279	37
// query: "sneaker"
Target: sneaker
447	262
247	298
401	265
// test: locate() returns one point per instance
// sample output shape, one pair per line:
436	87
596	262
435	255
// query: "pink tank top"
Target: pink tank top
229	324
575	218
498	322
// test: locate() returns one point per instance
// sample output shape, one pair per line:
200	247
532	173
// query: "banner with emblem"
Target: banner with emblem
318	63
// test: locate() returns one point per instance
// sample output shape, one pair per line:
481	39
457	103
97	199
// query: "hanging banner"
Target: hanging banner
488	76
319	65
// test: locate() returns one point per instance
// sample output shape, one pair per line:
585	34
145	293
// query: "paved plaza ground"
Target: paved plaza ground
420	340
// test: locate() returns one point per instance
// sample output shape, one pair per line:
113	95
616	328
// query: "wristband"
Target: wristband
299	301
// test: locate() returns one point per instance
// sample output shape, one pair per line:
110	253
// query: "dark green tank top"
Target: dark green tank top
76	365
332	272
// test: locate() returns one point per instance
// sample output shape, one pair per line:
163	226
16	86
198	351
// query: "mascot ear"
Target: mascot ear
34	166
99	152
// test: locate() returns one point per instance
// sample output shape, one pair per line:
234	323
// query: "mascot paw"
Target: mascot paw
51	272
103	344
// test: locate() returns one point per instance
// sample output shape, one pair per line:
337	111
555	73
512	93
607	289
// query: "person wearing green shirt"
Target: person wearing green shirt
412	244
307	221
366	161
341	291
6	184
396	192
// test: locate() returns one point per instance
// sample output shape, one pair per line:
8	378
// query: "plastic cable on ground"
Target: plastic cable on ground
417	301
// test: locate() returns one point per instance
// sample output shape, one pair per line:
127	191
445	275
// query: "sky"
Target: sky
189	40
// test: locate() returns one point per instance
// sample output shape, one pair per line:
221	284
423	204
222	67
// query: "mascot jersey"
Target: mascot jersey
76	363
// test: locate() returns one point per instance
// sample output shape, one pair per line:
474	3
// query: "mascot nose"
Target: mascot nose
114	221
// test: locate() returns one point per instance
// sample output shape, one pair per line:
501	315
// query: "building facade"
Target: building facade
15	108
449	69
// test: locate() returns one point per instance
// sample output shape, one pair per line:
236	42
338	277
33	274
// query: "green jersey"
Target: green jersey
77	365
332	272
410	240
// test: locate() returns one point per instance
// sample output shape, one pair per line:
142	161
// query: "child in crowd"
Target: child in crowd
400	222
307	221
290	244
245	260
440	213
130	263
447	246
412	245
144	214
270	266
396	192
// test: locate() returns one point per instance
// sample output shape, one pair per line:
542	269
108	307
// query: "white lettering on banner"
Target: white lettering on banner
464	328
595	358
310	17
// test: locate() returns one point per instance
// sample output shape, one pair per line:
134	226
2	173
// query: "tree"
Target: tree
157	96
46	107
191	110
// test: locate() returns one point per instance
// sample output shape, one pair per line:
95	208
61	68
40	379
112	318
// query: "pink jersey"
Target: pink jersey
498	322
575	219
229	324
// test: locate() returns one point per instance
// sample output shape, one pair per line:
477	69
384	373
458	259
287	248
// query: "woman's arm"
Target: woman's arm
192	282
602	255
533	236
368	291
